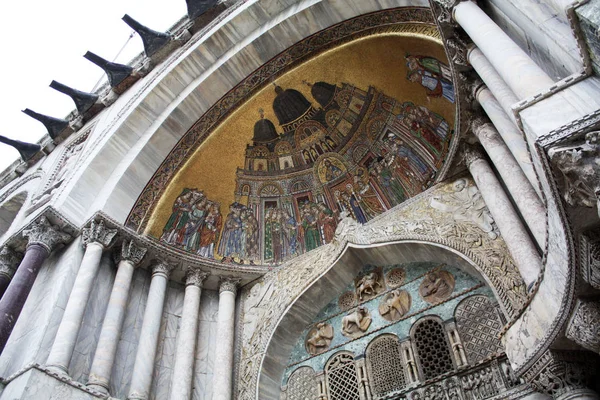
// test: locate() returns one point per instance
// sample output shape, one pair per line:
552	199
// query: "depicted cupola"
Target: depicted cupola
264	130
289	105
323	93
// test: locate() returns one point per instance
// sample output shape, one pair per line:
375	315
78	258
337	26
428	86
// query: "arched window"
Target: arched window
478	324
385	366
433	353
302	385
342	381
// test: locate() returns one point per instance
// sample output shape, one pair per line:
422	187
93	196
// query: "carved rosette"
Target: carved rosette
229	285
130	251
9	261
43	233
162	268
584	327
96	232
195	277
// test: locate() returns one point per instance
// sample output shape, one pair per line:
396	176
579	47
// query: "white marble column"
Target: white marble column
515	67
96	238
519	244
141	378
223	370
185	351
511	135
106	350
519	187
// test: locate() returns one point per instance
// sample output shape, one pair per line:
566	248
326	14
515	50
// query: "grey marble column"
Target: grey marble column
515	67
511	135
9	261
131	256
96	237
519	244
223	370
185	351
141	379
519	187
42	237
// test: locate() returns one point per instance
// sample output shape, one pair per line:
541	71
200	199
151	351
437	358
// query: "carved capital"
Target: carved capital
229	285
584	327
162	268
43	233
130	251
589	252
96	232
195	277
471	153
9	261
457	50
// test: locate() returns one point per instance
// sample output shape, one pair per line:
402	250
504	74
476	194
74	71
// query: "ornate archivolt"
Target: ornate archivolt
416	220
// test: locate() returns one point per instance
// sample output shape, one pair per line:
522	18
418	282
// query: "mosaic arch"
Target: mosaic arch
355	130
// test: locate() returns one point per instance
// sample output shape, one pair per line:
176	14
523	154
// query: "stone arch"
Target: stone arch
9	211
432	349
385	364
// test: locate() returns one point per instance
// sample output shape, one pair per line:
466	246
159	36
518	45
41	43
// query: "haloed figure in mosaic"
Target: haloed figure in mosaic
432	74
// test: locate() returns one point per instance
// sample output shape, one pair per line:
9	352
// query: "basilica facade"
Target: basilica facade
321	199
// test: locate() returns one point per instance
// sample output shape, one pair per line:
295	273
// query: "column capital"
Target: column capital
583	326
130	251
43	233
228	284
195	277
472	153
9	261
96	232
161	267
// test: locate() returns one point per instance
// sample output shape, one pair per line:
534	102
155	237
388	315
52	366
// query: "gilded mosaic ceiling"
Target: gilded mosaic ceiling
355	130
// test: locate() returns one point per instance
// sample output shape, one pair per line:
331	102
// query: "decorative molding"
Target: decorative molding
589	257
96	232
571	130
195	277
43	233
161	267
584	327
9	261
228	285
131	251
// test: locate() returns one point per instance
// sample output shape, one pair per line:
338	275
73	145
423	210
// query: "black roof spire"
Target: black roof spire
116	73
152	40
54	125
26	150
83	100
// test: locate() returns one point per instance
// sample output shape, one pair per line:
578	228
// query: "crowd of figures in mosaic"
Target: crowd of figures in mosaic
357	152
415	331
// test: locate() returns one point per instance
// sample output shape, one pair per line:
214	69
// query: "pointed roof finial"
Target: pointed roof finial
278	89
307	83
26	150
54	125
196	8
262	113
116	73
151	39
83	100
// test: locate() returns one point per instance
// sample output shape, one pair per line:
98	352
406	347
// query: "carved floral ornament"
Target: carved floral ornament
43	233
266	302
9	261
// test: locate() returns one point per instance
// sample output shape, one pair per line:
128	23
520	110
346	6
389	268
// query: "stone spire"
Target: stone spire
196	8
83	101
26	150
152	40
55	126
116	73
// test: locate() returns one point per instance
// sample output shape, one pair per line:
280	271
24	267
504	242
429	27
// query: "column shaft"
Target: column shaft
520	189
111	328
143	368
222	373
514	234
517	69
185	350
513	138
66	337
16	294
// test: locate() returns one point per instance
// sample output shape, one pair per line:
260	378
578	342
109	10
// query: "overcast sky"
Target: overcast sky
44	40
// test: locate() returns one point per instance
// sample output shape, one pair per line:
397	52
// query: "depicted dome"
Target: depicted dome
323	93
289	105
264	130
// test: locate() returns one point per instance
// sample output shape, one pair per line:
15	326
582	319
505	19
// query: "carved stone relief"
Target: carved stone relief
590	258
584	327
346	301
357	322
319	338
369	285
436	286
395	278
395	305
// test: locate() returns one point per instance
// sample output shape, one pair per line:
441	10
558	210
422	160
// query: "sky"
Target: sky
45	40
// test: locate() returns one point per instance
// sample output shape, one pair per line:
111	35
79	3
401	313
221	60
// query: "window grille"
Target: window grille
302	385
385	365
342	382
432	348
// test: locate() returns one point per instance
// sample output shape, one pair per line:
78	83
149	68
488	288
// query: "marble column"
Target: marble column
9	261
511	135
185	351
516	68
96	238
410	366
519	244
223	370
42	237
106	350
519	187
141	379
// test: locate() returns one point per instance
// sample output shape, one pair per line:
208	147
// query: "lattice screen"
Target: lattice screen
478	325
302	385
342	382
385	365
432	349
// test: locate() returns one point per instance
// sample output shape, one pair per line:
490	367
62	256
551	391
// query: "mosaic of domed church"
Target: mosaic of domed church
319	150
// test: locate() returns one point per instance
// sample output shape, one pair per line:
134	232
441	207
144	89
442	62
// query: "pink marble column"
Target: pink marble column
9	261
42	237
